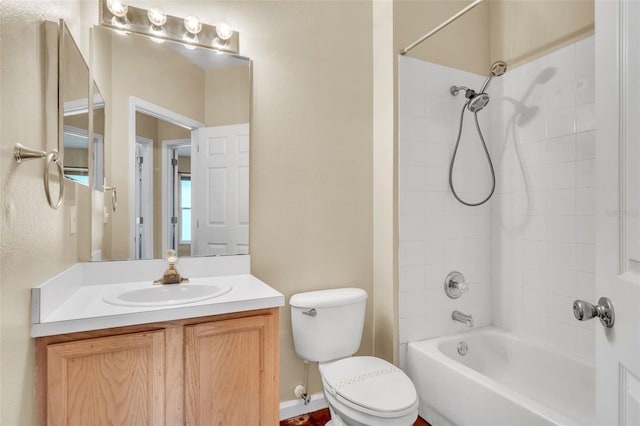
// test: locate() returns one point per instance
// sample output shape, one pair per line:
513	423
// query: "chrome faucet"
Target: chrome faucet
171	275
463	318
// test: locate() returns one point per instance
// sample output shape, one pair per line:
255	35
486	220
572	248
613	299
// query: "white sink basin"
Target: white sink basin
167	295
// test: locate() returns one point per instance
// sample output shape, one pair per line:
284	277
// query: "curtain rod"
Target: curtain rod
440	27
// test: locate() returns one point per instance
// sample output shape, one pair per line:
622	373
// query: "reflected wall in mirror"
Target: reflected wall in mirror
177	147
74	106
97	154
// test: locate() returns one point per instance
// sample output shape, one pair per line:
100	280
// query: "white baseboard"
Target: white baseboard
296	407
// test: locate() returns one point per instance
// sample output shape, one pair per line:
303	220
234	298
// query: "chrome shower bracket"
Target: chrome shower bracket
455	285
21	154
455	89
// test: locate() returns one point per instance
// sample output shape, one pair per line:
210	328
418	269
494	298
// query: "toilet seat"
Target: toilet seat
371	385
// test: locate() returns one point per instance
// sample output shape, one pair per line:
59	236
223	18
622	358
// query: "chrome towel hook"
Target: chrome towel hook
21	153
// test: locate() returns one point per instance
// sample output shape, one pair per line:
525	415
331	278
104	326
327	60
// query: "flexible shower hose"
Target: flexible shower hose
453	160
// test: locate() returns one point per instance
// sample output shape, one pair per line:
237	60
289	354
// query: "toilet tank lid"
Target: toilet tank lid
328	298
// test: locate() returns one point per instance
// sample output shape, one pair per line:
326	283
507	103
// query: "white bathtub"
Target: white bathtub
501	381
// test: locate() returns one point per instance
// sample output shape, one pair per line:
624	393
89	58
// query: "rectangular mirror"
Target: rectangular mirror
176	147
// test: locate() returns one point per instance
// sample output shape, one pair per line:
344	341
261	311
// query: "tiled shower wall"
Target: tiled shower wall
528	252
437	234
543	247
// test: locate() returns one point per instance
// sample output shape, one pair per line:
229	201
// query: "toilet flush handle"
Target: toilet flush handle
311	312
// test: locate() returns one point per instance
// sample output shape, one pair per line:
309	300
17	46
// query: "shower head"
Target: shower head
497	69
478	102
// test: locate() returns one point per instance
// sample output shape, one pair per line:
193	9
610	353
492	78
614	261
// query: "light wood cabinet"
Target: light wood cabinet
107	380
219	370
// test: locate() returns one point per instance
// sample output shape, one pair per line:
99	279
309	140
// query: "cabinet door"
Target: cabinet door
113	380
231	372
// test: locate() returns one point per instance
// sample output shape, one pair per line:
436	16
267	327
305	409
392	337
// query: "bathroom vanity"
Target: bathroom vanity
212	361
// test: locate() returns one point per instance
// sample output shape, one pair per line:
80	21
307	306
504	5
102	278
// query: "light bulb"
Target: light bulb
224	31
157	17
119	22
192	24
117	8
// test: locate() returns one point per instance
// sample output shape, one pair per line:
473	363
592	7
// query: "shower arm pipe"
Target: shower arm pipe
441	26
486	84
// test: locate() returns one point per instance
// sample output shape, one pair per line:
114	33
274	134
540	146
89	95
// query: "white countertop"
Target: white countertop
81	307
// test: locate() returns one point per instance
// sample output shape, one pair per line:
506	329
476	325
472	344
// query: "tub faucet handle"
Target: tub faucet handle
455	285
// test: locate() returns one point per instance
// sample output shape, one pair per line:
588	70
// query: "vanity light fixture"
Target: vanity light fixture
119	11
193	25
224	32
157	18
155	23
117	8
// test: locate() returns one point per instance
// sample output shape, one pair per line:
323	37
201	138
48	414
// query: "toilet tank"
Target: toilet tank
328	324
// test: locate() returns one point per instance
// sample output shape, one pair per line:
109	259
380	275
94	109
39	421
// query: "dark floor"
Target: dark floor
320	417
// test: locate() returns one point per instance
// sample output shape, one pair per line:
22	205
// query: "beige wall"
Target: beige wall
523	30
515	31
228	95
34	239
311	150
463	45
81	121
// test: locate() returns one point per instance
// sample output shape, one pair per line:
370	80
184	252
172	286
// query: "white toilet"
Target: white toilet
361	391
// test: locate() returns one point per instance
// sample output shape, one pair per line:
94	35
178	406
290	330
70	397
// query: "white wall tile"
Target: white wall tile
412	203
585	173
585	201
555	264
412	102
562	149
585	89
412	278
585	117
586	145
561	122
585	228
530	251
412	228
451	236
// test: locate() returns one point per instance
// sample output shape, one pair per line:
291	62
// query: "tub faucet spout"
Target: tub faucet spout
463	318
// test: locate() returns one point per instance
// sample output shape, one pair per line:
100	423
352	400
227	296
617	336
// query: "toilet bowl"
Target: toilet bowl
360	391
368	391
